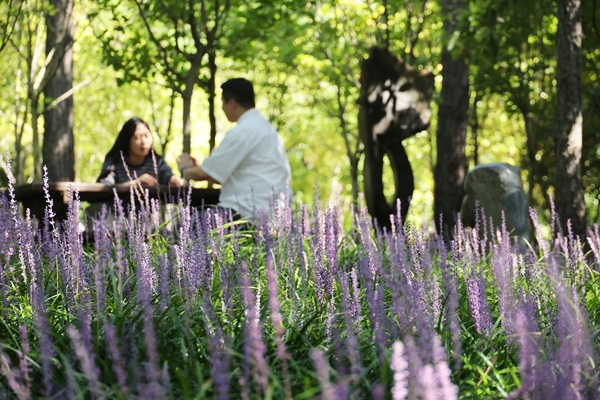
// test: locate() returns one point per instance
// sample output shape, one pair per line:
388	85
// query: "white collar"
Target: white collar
247	114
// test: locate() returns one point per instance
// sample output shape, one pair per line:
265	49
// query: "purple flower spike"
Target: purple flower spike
401	372
88	368
447	389
351	339
276	318
12	376
480	309
254	341
320	363
115	356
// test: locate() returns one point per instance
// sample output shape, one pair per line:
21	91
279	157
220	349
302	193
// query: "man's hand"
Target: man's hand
185	161
192	169
177	181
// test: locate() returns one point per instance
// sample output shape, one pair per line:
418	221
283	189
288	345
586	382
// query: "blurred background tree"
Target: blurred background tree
451	164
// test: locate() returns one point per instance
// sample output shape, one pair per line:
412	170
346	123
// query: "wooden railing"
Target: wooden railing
33	197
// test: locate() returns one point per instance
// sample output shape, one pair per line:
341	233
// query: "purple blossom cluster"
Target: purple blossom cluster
296	306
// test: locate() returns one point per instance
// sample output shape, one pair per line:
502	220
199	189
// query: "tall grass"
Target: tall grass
296	308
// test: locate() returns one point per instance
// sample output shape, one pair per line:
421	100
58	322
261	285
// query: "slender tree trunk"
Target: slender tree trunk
37	153
531	152
59	143
386	32
165	142
212	65
354	177
570	202
187	107
16	162
474	122
20	153
534	176
190	82
451	167
18	157
352	155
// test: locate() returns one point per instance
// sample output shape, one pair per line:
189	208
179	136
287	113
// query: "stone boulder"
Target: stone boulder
497	187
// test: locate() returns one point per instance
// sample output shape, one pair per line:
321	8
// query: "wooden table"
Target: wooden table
32	195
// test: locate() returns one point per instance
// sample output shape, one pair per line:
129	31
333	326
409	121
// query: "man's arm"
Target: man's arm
196	173
190	169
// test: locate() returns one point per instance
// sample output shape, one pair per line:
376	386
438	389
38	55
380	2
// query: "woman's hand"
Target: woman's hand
145	179
177	181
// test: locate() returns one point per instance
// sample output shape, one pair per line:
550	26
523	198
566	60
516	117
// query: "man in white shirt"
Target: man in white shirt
250	163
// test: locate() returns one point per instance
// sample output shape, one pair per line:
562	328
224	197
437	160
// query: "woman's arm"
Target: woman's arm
164	172
108	176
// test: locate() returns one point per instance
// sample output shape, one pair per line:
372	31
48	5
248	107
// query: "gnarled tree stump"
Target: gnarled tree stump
394	104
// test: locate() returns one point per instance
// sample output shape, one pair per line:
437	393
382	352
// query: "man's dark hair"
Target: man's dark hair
240	90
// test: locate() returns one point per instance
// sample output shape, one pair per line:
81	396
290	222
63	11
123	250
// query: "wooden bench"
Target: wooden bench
33	197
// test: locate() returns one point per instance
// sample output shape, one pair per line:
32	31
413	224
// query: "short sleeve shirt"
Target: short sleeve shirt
252	166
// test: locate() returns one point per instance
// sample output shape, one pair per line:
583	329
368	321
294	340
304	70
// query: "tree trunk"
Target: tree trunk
353	154
211	87
187	107
19	128
58	148
474	122
19	156
164	142
354	177
37	156
570	202
451	167
190	81
533	174
212	65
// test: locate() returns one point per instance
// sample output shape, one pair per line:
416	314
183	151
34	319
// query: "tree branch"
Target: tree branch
415	38
66	94
194	27
10	28
160	48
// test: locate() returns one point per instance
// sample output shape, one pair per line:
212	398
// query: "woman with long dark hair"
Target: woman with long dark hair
132	159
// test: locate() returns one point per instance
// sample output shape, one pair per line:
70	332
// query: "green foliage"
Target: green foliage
515	59
151	40
591	107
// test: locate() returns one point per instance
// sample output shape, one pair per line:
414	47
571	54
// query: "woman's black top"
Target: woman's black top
113	171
